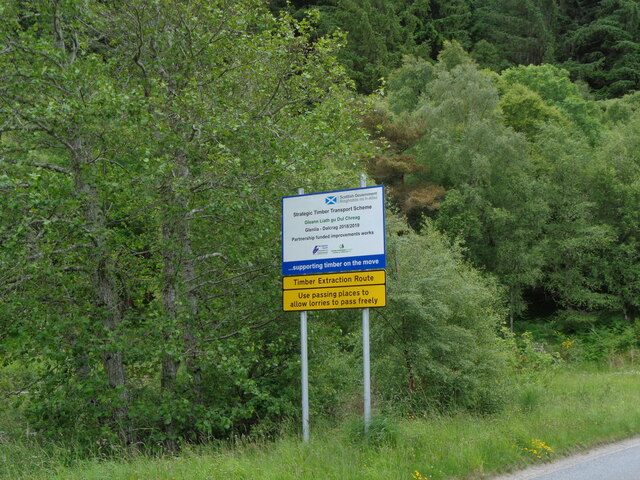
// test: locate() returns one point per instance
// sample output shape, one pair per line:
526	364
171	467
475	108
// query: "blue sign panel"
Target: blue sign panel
344	264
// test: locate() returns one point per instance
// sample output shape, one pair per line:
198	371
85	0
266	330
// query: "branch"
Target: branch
209	185
49	166
138	55
212	38
75	46
24	389
100	158
46	166
14	185
45	128
209	255
250	327
57	26
225	280
60	251
24	49
21	129
271	98
277	109
225	71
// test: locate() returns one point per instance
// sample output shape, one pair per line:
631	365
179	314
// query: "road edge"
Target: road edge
574	459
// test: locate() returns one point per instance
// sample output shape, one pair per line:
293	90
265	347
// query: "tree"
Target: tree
523	31
556	89
481	168
53	92
438	344
602	45
378	34
615	186
525	111
451	20
173	131
576	241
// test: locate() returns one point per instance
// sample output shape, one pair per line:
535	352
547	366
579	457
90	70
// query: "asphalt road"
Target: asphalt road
619	461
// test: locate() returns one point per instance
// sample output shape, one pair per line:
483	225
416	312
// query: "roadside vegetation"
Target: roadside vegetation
561	411
144	150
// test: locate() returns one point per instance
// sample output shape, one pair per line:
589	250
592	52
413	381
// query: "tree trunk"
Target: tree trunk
104	285
188	278
170	302
190	339
179	301
511	308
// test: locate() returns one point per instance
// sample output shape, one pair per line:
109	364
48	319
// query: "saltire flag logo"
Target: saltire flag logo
331	200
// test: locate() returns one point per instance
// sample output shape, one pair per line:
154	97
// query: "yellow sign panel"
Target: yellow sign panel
363	296
351	279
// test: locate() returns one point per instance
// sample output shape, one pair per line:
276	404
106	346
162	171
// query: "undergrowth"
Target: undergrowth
551	416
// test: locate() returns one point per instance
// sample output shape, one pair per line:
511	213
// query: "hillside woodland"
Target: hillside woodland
597	42
144	149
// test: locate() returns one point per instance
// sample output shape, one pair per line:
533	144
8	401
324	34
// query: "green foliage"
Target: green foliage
603	343
378	34
620	110
596	41
597	338
556	89
533	356
523	30
145	148
438	342
487	56
548	210
569	410
525	111
452	21
381	431
602	45
491	200
407	84
615	182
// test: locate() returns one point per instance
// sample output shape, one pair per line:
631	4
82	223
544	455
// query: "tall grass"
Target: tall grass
555	416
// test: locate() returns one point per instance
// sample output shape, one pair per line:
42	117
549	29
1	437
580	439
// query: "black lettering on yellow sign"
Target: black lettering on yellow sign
365	296
353	279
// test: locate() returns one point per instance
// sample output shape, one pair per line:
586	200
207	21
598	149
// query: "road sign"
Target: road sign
337	231
363	296
350	279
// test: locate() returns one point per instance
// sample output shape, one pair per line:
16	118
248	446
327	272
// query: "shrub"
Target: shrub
438	345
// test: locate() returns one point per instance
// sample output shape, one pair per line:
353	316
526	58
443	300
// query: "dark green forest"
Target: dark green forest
597	42
144	150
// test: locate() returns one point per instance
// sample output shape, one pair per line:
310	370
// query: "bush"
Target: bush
602	342
437	344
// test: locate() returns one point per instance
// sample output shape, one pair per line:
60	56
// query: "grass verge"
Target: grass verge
557	415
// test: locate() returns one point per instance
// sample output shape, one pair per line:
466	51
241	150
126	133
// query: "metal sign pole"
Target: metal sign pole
305	376
367	375
365	350
305	368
